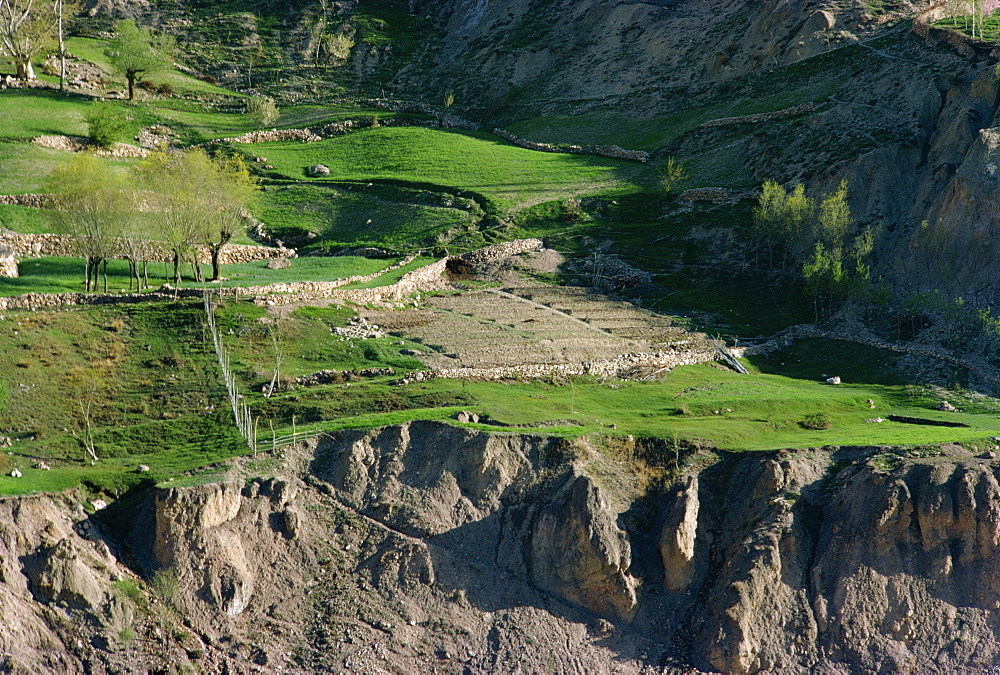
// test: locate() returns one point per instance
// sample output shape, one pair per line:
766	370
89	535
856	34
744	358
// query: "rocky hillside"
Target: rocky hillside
363	555
863	91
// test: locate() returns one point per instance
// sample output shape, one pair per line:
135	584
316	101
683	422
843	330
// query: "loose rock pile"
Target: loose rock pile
611	151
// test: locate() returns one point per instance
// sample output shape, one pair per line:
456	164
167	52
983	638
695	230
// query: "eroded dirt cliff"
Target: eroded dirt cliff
430	548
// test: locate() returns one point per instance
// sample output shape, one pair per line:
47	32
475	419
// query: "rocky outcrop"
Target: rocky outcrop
677	539
578	552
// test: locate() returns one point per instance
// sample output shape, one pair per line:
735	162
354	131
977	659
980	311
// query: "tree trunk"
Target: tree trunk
62	50
105	266
216	266
131	86
177	268
25	71
145	275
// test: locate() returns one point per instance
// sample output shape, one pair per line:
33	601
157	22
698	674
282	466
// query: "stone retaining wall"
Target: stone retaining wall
426	278
499	251
611	151
794	111
35	245
311	135
621	367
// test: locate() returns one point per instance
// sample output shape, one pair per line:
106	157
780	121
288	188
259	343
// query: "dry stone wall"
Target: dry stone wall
31	201
426	278
34	245
611	151
8	263
311	135
784	340
621	367
794	111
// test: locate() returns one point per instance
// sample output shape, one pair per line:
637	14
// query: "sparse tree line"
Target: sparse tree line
181	200
818	241
972	13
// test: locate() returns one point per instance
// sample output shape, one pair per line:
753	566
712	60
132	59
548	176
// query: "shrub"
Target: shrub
816	421
106	123
262	111
165	584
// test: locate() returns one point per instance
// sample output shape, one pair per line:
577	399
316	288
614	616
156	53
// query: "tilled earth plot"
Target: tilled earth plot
489	328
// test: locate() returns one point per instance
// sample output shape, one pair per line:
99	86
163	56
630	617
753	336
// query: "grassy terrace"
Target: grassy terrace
61	275
474	161
360	216
160	402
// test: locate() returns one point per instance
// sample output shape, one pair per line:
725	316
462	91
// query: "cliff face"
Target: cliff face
425	547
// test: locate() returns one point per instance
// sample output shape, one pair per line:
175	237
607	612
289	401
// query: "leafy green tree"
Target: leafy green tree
196	201
27	27
833	219
670	174
90	202
138	51
106	123
172	186
228	193
262	111
780	219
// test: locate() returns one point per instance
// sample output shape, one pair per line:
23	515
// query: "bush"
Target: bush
106	123
262	111
165	584
816	422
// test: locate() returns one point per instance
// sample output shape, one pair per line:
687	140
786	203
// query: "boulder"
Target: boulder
317	170
62	575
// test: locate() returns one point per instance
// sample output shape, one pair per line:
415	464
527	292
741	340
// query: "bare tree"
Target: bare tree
26	28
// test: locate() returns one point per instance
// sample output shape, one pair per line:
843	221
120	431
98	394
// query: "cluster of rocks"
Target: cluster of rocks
156	136
714	195
448	119
794	111
359	329
8	263
610	151
274	135
79	144
30	201
11	82
336	376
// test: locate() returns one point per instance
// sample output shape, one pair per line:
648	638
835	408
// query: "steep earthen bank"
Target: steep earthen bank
426	547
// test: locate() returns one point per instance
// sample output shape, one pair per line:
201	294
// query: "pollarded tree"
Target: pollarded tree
26	28
91	202
228	194
172	185
138	51
194	200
